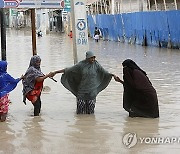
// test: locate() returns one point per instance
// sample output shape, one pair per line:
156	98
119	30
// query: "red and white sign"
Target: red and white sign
33	4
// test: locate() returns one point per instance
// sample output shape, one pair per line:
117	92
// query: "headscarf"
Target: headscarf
131	64
33	62
3	67
31	74
89	54
7	82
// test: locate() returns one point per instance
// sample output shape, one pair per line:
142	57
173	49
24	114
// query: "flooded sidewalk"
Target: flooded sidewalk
59	130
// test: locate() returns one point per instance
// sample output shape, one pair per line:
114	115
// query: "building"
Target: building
126	6
54	19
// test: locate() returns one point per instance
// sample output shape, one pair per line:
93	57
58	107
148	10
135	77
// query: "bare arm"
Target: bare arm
59	71
116	78
42	78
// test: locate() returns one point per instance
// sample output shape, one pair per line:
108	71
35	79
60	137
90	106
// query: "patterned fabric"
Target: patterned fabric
34	94
7	82
4	103
85	106
37	107
31	74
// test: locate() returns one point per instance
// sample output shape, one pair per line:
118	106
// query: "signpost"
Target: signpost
30	4
64	15
79	25
79	20
67	5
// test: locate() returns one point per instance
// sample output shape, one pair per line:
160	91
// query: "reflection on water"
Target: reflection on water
59	129
6	137
135	125
34	135
89	136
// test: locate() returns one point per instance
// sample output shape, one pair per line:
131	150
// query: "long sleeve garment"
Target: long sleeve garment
86	80
139	95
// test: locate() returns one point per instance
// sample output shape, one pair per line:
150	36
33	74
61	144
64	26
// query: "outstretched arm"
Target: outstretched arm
59	71
42	78
116	78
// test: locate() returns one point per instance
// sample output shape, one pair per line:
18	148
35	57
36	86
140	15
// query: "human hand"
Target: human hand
51	74
22	77
116	78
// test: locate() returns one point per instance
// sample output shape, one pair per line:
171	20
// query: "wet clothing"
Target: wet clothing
37	106
85	106
139	98
31	88
35	93
4	104
7	84
86	80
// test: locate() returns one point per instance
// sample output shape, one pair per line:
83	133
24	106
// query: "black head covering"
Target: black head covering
131	64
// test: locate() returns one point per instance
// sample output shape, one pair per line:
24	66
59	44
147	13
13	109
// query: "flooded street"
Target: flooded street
59	130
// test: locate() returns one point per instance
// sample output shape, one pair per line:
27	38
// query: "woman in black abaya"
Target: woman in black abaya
139	98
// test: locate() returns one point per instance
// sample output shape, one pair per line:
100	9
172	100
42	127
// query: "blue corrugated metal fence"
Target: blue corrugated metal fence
159	28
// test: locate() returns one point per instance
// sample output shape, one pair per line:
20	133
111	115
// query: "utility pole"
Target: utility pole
3	34
33	26
79	29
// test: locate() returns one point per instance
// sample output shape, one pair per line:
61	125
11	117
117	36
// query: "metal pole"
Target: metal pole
33	27
164	5
149	5
3	35
175	2
74	33
155	4
101	7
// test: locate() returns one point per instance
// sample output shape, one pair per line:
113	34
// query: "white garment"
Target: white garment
96	37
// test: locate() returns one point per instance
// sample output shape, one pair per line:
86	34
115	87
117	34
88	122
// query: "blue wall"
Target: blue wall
161	29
